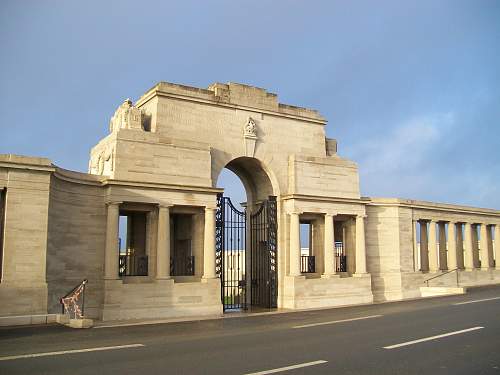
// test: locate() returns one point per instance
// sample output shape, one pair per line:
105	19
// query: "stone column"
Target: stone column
111	251
424	247
360	245
475	246
452	246
163	243
415	246
497	246
209	244
485	258
329	246
460	246
294	244
468	255
491	251
433	251
443	259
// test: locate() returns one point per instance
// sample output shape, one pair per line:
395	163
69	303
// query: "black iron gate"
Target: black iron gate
246	278
264	262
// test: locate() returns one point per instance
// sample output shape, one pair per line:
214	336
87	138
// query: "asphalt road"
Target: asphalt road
380	341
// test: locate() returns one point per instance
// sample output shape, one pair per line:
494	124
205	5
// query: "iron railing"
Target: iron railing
74	301
340	258
341	263
182	266
445	273
133	265
307	264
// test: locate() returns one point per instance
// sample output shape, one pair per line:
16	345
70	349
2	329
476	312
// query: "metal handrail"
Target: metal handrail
444	273
70	301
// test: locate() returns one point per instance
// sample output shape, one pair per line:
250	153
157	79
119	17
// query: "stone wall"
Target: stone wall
132	299
76	239
306	293
392	246
23	288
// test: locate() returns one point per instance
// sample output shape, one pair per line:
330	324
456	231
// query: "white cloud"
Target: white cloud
406	147
399	163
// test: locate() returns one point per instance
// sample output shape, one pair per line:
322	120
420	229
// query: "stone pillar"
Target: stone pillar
468	248
497	246
433	251
443	259
163	243
294	244
460	246
111	251
209	244
485	258
329	246
415	246
360	245
452	246
491	250
424	247
475	245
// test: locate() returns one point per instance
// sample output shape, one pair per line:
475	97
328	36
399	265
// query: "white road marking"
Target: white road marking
432	338
292	367
475	301
34	355
338	321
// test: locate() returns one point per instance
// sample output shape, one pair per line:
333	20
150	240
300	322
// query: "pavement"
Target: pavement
444	335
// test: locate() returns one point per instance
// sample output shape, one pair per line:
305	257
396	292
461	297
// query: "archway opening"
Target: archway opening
247	236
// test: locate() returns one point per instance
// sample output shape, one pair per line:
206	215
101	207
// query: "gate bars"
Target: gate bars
230	247
264	263
231	260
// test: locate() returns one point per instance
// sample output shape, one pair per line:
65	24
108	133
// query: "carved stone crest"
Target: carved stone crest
250	137
251	128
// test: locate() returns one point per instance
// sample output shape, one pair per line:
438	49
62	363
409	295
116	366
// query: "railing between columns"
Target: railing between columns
307	264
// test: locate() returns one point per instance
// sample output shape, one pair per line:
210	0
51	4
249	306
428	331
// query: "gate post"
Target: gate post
294	244
360	245
209	244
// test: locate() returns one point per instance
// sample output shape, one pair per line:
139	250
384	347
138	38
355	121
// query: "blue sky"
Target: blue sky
411	89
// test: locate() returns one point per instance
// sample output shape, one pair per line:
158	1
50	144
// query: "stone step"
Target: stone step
25	320
431	291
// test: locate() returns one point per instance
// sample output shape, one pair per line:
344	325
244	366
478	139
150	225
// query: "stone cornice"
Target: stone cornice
26	162
431	206
305	197
157	92
103	181
171	187
78	177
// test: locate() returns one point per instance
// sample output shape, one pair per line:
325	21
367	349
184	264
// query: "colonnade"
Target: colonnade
209	257
328	246
162	244
448	245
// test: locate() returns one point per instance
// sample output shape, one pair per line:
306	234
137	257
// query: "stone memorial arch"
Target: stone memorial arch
156	238
182	137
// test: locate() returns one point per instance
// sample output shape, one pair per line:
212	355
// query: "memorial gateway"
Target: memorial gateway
188	251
